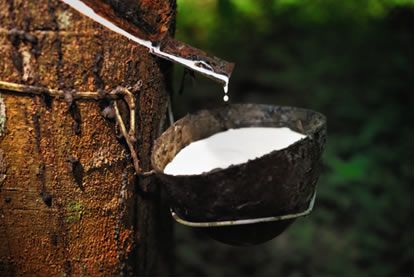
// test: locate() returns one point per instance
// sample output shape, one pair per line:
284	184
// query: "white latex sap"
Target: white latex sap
86	10
231	147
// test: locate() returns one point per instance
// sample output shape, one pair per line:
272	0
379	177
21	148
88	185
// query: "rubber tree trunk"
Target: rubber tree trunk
69	201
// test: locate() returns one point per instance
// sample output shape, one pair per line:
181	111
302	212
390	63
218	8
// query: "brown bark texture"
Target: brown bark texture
69	201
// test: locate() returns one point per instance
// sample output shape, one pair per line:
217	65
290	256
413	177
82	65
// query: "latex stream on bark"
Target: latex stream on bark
112	15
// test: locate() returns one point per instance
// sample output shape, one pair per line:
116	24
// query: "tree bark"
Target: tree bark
69	201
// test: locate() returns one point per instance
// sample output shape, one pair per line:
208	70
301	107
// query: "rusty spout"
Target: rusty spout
124	18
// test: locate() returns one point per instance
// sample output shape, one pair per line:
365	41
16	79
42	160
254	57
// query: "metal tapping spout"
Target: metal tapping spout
122	17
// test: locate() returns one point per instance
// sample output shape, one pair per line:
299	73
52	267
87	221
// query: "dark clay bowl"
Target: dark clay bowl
278	183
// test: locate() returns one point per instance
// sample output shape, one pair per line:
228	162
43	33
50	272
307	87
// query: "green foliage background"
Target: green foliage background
350	60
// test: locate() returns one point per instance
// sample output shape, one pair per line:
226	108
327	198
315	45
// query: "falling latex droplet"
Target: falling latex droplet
225	88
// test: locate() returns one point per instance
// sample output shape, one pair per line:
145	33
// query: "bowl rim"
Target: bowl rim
314	130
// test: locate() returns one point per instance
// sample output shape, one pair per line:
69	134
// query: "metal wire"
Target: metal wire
245	221
10	87
118	93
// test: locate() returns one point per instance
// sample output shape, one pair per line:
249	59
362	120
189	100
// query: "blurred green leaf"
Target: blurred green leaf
351	60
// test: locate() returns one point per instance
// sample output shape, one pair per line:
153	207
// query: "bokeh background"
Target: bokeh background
350	60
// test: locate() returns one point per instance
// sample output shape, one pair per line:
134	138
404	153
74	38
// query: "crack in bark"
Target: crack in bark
96	71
